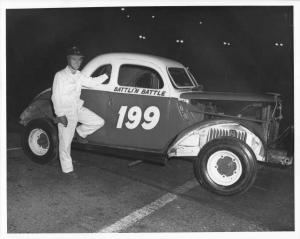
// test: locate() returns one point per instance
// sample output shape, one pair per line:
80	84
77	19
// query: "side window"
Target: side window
139	76
104	69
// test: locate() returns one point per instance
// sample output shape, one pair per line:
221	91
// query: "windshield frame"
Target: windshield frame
188	75
192	77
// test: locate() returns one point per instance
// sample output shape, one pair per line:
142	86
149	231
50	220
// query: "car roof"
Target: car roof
141	57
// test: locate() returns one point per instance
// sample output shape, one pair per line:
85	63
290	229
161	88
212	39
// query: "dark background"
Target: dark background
37	40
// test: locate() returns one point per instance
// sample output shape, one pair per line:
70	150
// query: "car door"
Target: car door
138	108
97	100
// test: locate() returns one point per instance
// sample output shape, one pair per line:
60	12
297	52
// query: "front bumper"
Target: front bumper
279	157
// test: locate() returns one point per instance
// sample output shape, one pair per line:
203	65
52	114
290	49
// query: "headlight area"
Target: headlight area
190	144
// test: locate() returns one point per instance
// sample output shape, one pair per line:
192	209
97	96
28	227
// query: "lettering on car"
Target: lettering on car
132	90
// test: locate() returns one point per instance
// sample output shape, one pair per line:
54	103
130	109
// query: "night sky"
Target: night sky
246	49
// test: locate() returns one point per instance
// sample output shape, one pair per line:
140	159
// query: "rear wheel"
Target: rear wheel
40	141
226	166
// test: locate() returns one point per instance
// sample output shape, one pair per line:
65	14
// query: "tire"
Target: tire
40	141
226	166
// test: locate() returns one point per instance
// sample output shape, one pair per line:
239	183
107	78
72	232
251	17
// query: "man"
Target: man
69	107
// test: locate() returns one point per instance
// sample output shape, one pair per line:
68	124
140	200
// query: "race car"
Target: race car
155	110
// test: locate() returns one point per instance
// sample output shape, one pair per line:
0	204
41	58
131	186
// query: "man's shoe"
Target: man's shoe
72	175
80	139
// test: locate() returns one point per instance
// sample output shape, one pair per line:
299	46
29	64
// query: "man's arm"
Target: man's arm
56	95
57	101
93	81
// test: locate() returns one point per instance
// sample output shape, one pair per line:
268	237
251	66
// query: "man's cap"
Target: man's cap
73	51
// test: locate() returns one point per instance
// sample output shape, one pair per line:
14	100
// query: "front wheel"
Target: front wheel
226	166
40	141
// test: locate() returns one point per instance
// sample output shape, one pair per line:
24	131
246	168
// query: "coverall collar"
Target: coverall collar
70	72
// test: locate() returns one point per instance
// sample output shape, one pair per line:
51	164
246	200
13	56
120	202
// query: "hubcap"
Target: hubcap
224	167
38	142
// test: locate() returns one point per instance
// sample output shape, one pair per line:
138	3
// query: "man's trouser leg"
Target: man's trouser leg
65	135
90	122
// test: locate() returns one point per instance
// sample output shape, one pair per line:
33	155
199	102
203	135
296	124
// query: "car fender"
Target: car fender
40	107
191	140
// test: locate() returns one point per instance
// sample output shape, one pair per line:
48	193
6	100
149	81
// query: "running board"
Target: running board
153	157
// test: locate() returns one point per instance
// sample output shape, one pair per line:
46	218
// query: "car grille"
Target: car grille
218	133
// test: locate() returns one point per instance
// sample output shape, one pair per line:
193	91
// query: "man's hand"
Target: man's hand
100	79
63	120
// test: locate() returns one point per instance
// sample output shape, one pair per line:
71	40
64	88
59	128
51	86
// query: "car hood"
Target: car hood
229	96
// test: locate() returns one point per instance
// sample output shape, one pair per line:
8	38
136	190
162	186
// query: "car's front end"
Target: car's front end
252	118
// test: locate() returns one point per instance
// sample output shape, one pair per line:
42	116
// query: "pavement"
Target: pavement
111	196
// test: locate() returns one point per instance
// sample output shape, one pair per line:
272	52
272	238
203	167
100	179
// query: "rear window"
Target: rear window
180	77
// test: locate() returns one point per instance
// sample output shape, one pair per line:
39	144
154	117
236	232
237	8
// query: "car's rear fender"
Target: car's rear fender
40	107
189	142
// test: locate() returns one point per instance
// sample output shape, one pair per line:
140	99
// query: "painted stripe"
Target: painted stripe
141	213
12	149
111	90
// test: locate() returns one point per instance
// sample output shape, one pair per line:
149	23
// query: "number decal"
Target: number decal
134	115
151	116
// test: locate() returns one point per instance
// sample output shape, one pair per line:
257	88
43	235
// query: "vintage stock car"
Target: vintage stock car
155	110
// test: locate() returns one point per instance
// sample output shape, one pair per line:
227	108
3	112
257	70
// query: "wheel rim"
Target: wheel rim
224	167
38	142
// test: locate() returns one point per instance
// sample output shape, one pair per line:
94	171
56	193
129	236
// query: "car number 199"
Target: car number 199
134	114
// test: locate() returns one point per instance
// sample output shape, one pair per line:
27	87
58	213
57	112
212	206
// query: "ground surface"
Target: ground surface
109	196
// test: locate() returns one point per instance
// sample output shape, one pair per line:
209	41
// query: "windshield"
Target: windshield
180	77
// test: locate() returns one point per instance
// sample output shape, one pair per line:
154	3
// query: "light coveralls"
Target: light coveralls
66	100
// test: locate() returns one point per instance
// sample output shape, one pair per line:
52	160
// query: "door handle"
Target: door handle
110	103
